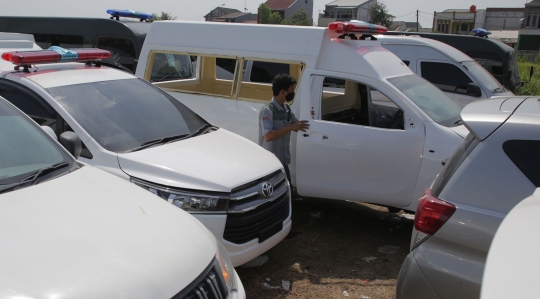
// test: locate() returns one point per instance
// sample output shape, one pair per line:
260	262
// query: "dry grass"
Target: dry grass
325	259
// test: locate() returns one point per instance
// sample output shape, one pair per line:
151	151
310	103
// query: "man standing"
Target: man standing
276	121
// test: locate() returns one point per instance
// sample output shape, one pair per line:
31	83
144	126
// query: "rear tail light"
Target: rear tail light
431	214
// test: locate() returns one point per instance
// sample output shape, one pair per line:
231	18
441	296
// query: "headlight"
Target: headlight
187	201
227	269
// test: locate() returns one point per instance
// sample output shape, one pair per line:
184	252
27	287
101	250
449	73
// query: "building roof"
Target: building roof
395	25
516	9
505	36
533	3
228	10
346	3
412	25
279	4
233	15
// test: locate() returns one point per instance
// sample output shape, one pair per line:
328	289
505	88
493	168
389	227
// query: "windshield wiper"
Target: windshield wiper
156	141
199	131
458	122
34	175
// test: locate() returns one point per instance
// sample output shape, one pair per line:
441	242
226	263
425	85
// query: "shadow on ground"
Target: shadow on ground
324	260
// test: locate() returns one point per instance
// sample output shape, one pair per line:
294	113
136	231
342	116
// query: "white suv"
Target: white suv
74	231
496	166
138	132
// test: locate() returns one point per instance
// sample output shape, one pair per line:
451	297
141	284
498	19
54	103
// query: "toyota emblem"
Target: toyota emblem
267	189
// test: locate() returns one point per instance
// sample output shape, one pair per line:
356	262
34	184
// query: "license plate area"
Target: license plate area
264	235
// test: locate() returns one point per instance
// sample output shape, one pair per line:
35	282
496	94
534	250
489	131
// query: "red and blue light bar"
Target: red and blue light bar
55	54
356	27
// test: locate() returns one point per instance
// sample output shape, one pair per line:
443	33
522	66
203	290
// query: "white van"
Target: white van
74	231
140	133
378	132
455	73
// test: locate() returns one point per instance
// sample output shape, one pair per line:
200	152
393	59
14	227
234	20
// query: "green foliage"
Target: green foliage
378	14
162	17
298	18
264	14
533	87
275	18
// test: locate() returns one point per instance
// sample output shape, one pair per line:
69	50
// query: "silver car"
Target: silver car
496	166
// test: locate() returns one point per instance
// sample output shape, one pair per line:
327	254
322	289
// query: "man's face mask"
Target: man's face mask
290	96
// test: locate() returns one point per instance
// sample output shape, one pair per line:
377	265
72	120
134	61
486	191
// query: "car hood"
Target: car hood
216	161
461	130
89	234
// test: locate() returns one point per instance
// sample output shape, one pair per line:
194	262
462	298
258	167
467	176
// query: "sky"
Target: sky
404	10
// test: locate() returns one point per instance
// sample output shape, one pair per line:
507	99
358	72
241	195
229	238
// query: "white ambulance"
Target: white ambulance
378	132
140	133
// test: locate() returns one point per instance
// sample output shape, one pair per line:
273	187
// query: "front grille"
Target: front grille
252	216
209	285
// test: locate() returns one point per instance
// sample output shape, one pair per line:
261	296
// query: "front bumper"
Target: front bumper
239	293
412	283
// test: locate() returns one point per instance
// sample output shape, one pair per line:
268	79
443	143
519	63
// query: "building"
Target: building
509	37
238	17
459	21
219	12
529	36
286	8
404	26
345	10
503	18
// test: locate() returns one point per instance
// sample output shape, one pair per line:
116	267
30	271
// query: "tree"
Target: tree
298	18
275	18
264	14
378	14
164	16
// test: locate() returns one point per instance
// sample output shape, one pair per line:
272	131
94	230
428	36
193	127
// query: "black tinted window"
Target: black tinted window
122	50
445	76
225	68
39	111
526	155
264	72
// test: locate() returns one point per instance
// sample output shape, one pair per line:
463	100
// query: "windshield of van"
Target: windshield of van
122	115
438	106
485	79
24	148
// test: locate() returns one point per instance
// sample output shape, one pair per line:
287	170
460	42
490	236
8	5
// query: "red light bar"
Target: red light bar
356	27
49	56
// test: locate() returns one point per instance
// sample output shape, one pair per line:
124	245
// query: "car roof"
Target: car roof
448	50
71	73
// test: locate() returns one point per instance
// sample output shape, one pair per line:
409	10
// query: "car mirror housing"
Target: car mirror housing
474	90
71	142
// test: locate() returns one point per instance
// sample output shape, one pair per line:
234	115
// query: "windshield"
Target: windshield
483	77
438	106
24	148
123	114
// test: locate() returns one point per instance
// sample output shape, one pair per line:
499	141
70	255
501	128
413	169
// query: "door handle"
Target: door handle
324	137
306	135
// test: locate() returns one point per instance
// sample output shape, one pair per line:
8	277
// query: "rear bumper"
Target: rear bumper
412	283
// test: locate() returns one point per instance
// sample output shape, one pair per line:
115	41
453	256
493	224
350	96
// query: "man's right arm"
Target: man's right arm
300	125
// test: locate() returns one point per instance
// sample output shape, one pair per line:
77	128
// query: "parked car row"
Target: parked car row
378	133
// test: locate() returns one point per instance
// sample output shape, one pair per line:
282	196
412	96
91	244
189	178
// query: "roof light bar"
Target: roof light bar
356	27
55	54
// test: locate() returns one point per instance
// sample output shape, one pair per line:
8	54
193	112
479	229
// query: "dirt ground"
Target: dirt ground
324	260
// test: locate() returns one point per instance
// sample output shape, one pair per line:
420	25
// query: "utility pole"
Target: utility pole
417	20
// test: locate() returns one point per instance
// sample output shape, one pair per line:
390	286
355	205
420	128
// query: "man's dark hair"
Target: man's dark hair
282	82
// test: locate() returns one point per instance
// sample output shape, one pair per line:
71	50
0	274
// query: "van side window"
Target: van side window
445	76
257	78
179	72
264	72
61	40
351	102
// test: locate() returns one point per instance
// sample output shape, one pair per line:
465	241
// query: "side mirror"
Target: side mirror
72	142
49	131
474	90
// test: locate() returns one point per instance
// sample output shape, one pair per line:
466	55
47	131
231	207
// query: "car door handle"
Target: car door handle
306	135
324	137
